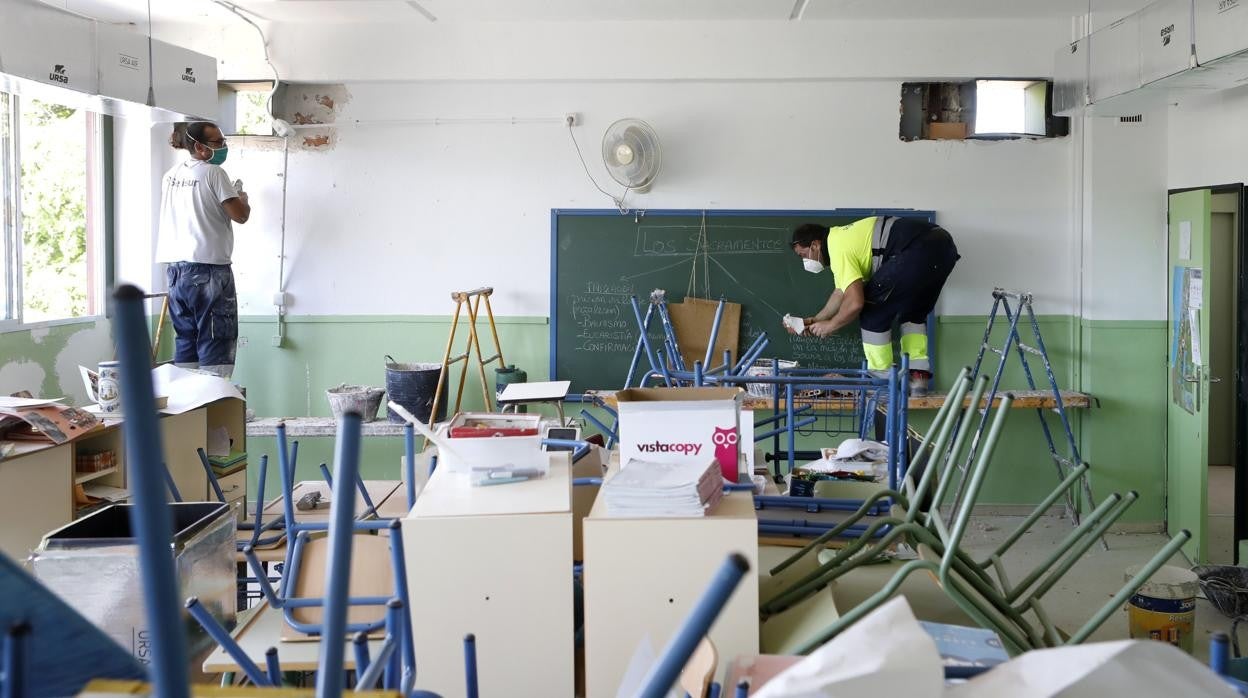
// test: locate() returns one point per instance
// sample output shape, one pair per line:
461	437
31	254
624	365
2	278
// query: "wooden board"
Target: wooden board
378	491
263	630
371	575
1023	399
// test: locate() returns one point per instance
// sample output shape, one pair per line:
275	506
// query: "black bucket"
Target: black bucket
413	386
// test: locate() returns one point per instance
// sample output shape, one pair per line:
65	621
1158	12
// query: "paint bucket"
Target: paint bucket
413	386
504	377
360	399
1164	607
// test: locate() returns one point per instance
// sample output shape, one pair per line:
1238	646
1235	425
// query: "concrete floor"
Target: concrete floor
1221	529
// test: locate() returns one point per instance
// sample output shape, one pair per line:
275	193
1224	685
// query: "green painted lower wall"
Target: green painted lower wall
319	352
1121	363
1021	471
1124	367
1122	438
44	360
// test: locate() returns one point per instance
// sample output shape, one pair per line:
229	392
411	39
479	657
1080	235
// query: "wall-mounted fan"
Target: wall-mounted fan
630	150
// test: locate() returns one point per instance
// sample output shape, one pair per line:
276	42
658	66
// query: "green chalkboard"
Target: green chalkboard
601	258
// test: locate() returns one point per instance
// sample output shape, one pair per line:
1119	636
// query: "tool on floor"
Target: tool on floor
470	302
1065	463
309	501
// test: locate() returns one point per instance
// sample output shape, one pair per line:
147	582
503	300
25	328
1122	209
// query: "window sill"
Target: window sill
15	326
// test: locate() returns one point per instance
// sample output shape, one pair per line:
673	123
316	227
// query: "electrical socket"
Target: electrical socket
277	340
571	119
281	299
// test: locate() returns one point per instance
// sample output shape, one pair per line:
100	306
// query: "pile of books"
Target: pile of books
648	489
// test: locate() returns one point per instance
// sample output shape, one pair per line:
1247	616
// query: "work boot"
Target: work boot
920	382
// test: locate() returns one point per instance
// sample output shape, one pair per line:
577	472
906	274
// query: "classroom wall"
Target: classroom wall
1121	204
809	113
44	360
383	221
1207	144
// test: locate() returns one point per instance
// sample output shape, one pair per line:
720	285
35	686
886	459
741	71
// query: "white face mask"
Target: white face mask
813	266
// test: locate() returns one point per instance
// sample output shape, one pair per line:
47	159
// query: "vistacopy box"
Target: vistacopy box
680	425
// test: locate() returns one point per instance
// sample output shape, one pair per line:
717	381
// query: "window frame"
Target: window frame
99	189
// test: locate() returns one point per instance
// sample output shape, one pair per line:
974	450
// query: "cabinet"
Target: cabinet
495	562
644	575
37	482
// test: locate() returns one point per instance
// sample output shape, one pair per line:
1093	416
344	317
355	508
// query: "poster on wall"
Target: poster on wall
1185	351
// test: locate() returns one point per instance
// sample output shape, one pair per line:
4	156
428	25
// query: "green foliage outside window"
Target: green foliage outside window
53	189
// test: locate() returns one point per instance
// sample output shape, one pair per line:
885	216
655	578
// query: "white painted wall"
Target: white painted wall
393	218
1208	143
1124	214
751	115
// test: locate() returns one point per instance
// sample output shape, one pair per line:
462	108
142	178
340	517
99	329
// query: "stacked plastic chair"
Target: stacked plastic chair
980	587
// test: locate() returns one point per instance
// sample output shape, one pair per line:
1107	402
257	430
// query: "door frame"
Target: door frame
1240	449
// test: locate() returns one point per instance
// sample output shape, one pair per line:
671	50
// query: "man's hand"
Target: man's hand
825	328
789	321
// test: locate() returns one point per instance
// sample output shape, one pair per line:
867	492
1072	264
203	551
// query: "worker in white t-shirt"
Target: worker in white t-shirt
198	207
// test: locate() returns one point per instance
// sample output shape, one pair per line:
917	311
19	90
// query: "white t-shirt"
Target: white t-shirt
193	224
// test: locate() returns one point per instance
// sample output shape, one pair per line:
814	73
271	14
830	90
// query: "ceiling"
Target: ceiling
336	11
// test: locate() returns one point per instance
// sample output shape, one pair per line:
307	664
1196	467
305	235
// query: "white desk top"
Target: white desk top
452	494
262	630
535	392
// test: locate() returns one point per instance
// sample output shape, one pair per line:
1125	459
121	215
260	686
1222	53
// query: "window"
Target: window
245	108
53	213
1010	107
979	109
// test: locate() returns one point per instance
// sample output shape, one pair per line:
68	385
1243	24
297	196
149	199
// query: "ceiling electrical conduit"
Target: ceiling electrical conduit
438	121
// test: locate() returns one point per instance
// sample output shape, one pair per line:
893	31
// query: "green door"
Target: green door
1187	421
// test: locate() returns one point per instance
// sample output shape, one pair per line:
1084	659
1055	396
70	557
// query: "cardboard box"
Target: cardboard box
946	130
681	425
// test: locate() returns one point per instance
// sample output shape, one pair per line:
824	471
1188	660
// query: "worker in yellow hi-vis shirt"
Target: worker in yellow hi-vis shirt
885	269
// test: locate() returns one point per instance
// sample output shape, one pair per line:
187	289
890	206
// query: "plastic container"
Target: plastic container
764	367
413	386
354	398
1164	608
504	377
491	452
93	565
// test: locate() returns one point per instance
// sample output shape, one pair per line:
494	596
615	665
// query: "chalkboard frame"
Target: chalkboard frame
555	213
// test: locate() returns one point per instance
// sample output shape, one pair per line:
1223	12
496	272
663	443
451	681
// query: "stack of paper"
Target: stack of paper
643	488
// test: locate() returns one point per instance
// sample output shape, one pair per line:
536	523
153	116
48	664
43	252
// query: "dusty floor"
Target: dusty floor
1087	587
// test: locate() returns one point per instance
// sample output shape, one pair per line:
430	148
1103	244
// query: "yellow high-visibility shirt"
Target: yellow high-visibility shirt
849	251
